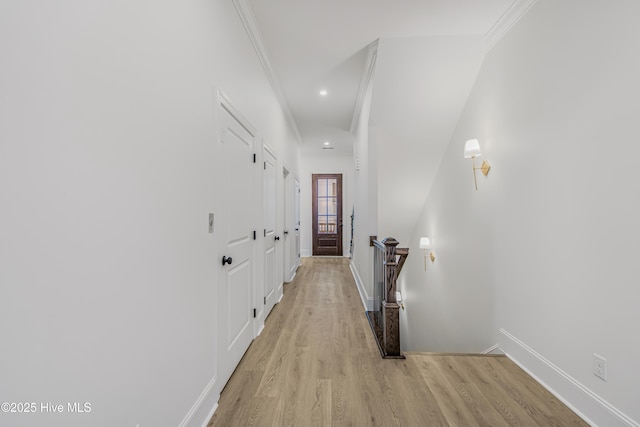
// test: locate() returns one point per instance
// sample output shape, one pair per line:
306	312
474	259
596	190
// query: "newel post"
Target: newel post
390	307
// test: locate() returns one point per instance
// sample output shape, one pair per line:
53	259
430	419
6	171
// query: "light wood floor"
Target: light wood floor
316	364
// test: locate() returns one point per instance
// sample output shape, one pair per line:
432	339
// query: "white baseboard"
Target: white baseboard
293	276
491	349
210	415
207	399
592	408
367	301
293	271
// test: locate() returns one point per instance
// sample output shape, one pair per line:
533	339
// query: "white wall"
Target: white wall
107	159
316	161
420	85
365	149
543	257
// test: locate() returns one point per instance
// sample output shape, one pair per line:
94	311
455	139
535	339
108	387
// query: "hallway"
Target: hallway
316	363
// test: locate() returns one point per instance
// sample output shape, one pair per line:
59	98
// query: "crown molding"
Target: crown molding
502	26
365	81
251	26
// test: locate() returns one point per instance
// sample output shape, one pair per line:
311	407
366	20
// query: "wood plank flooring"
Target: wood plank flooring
316	363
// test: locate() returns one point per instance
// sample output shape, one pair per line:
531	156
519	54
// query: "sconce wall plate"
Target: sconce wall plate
485	167
432	256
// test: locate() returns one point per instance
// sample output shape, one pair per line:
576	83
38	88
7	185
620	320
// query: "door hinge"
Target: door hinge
254	235
254	157
255	313
265	300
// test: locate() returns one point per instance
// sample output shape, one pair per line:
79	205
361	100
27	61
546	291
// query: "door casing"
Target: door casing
326	238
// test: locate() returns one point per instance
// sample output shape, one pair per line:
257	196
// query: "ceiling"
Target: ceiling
322	45
427	55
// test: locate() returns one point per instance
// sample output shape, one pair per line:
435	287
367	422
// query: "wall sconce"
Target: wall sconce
425	243
399	299
472	150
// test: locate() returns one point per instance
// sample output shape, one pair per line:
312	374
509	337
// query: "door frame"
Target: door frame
269	236
223	103
314	212
287	225
297	188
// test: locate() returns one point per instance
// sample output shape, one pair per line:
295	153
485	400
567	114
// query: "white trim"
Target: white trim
205	423
198	405
253	30
294	270
592	408
365	80
293	276
270	150
491	349
226	103
260	329
367	301
508	19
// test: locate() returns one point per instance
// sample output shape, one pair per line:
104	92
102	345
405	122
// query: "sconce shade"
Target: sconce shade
472	149
425	243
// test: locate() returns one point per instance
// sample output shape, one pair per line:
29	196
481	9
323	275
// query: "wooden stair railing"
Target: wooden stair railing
385	317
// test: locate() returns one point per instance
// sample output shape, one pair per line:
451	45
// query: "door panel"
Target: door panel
270	234
235	241
287	237
327	214
238	276
296	206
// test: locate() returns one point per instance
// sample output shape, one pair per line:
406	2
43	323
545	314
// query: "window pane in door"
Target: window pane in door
322	206
332	187
322	187
322	224
332	222
332	206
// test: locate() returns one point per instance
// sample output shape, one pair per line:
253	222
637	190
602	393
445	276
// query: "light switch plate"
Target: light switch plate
211	220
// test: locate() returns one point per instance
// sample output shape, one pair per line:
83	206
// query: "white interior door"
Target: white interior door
288	225
296	207
235	241
270	233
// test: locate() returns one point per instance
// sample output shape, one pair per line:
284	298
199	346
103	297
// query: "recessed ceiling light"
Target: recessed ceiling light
323	92
326	143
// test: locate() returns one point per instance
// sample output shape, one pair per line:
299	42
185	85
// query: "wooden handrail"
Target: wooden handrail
403	253
385	319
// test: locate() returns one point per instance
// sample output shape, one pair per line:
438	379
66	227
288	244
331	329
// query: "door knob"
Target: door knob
277	238
226	260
